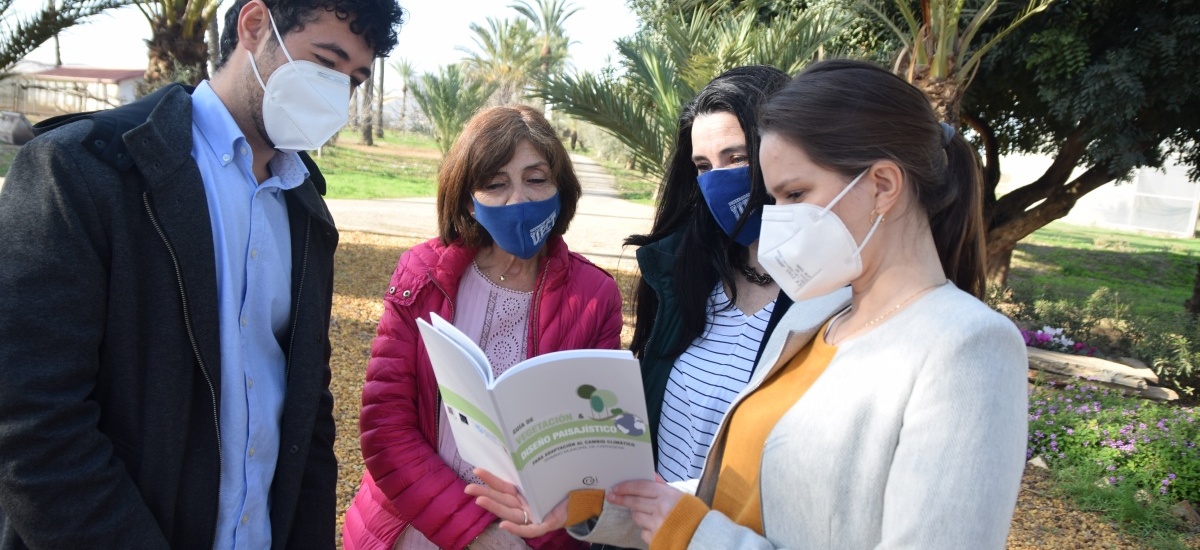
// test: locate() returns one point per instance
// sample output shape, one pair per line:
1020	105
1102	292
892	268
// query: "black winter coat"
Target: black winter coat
109	343
657	264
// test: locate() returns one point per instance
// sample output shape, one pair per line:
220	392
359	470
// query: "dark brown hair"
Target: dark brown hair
705	253
847	115
484	147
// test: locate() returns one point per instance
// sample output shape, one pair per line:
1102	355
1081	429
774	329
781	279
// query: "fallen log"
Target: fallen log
1155	393
1091	368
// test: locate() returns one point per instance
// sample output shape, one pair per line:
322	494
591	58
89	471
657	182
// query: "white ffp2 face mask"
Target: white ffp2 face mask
808	250
304	104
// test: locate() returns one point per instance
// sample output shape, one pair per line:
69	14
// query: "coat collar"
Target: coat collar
161	148
657	261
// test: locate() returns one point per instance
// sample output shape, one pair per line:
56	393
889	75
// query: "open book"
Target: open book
550	424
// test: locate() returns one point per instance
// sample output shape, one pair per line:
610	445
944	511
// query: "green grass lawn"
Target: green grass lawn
7	153
406	139
397	166
1154	274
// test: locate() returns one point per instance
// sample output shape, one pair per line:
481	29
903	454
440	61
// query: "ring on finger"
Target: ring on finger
526	521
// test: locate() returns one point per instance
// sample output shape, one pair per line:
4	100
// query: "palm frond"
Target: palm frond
20	37
449	99
613	107
1034	7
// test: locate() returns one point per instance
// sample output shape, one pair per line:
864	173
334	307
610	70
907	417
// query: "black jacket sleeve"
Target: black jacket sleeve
316	509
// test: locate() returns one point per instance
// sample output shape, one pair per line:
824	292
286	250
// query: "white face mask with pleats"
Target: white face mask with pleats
808	250
304	104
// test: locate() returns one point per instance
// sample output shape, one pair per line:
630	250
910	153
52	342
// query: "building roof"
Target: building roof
88	74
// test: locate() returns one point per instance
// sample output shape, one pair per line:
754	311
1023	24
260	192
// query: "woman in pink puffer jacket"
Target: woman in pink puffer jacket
501	274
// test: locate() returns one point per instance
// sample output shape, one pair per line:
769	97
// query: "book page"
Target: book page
577	420
466	344
474	420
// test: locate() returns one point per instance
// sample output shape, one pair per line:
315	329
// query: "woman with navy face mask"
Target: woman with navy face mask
704	303
500	271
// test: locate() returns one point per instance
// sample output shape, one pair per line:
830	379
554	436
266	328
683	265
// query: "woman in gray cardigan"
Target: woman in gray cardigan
896	421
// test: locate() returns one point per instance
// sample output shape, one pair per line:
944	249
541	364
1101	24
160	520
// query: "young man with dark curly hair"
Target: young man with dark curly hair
167	285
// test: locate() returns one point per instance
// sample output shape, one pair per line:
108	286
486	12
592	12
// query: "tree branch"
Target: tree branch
1056	205
1015	203
991	157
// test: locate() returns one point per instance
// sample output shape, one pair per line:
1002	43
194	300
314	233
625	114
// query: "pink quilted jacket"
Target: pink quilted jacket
576	305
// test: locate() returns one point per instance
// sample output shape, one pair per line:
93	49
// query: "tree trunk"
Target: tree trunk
176	54
368	129
214	45
52	11
1006	227
354	108
1193	304
379	101
998	264
944	95
403	104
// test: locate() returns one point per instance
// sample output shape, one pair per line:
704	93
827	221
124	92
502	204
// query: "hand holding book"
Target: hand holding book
550	424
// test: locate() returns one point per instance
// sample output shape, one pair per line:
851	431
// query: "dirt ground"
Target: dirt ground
364	265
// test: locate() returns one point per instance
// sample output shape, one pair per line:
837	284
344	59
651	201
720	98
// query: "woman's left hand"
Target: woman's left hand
502	499
649	503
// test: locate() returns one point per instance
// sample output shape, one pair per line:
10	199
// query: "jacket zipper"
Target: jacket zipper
187	321
533	312
287	369
437	408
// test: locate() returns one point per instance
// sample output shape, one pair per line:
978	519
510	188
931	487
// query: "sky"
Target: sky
430	37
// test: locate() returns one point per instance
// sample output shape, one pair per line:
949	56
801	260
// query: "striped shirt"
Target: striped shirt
703	382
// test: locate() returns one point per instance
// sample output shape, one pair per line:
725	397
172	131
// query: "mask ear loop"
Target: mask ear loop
874	226
839	196
278	38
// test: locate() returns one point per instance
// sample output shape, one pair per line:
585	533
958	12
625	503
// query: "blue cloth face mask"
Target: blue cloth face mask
519	229
727	192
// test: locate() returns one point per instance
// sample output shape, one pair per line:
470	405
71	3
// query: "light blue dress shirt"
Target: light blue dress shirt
254	282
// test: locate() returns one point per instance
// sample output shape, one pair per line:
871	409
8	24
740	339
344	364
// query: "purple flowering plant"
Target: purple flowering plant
1105	434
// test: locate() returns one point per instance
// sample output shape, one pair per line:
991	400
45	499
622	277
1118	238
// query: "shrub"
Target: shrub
1170	345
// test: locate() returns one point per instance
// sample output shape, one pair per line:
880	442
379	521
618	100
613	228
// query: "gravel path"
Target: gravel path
365	263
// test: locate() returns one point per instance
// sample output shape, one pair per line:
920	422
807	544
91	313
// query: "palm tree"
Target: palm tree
507	56
405	70
379	70
449	99
52	6
367	110
548	19
28	32
665	68
940	55
177	51
214	44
